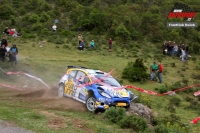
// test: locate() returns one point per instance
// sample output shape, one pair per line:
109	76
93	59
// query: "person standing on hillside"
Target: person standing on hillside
56	21
110	44
14	50
92	44
153	69
54	27
81	46
160	70
183	55
80	38
3	52
4	41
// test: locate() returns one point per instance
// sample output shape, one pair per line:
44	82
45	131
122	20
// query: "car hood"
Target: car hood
115	91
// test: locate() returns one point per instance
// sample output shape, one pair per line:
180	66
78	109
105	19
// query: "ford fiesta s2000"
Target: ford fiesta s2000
97	89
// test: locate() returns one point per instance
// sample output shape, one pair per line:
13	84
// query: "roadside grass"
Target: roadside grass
49	63
26	113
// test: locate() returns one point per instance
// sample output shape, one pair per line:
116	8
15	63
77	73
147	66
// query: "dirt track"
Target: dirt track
49	100
11	128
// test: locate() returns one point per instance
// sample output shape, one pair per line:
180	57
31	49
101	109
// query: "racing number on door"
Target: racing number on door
69	86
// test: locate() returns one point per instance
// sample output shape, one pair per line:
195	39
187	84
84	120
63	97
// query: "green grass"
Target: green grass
49	63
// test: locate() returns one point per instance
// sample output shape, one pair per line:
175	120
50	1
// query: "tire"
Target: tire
61	90
90	104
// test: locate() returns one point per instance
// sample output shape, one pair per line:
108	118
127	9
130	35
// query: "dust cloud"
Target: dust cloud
34	90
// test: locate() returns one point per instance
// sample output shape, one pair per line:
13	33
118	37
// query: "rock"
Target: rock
140	110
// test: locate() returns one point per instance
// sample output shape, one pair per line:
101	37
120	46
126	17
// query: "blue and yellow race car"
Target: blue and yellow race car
97	89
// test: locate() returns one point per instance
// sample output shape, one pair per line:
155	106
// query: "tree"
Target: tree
123	32
135	71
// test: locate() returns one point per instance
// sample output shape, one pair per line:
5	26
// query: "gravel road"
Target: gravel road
6	127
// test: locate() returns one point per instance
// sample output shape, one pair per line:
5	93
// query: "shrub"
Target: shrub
175	101
114	114
145	100
175	86
173	64
170	108
135	122
65	46
59	40
162	89
172	118
66	33
33	18
196	76
135	71
185	81
161	129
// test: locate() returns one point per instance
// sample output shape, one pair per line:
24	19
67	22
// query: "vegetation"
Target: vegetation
123	20
138	30
135	71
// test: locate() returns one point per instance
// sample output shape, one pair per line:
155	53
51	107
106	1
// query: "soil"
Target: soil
49	100
6	127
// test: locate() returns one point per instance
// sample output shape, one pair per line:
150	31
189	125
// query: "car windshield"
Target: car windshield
108	80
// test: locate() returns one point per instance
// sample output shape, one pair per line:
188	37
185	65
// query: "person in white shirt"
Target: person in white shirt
183	55
54	27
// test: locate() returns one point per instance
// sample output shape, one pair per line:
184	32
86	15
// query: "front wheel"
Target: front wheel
61	90
90	104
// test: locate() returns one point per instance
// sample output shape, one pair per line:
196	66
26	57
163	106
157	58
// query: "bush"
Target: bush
114	114
175	86
162	89
170	128
59	40
175	101
66	46
135	71
135	122
161	129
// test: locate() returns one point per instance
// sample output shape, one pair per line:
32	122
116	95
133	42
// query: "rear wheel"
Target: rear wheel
61	90
90	103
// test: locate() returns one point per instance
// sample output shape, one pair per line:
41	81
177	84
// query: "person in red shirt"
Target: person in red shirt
160	70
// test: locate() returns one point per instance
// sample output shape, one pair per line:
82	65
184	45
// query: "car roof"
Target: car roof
88	71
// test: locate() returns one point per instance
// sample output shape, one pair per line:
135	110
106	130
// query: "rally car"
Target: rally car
96	89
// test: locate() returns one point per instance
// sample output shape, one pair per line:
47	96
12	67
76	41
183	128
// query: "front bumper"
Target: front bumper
125	102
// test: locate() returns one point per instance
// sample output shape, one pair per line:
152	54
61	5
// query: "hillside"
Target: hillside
123	20
138	30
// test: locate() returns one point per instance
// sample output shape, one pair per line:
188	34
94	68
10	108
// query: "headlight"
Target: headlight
105	95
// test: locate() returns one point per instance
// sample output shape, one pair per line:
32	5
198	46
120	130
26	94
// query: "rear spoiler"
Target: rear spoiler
75	67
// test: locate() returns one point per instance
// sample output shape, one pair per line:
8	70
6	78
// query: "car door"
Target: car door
79	90
69	83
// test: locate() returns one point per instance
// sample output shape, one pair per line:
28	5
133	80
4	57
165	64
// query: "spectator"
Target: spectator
6	31
4	41
19	33
15	33
81	46
56	21
92	44
12	57
12	31
153	69
80	38
110	44
54	27
3	53
160	70
183	55
176	50
14	50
